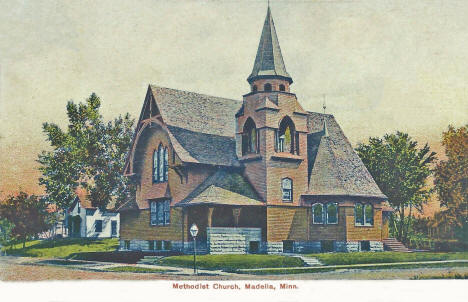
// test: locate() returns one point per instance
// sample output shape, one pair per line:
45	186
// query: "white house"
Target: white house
83	220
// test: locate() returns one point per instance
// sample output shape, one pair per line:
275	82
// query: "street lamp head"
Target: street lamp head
194	230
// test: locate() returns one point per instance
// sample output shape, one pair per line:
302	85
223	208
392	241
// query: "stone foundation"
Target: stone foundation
355	246
232	240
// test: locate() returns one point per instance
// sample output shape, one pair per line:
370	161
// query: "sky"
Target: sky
383	65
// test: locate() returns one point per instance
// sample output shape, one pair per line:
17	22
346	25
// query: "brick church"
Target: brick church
261	175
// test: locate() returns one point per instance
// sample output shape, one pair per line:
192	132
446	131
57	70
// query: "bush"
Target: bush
450	246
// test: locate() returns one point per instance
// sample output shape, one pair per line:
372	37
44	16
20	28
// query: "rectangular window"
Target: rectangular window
160	212
113	228
158	245
90	212
167	245
151	245
98	226
127	244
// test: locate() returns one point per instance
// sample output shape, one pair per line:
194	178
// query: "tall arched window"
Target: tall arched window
332	213
286	138
155	166
267	87
317	213
166	164
160	164
287	189
249	137
358	214
368	214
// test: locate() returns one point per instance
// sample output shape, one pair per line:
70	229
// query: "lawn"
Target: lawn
135	269
385	257
63	248
230	262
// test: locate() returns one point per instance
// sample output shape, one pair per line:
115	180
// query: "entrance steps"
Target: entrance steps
391	244
308	260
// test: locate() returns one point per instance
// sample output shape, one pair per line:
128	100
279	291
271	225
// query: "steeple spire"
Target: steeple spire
269	61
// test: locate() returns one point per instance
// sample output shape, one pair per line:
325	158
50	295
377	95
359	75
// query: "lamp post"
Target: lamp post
194	232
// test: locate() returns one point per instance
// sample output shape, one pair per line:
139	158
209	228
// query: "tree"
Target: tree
5	232
90	154
451	181
400	170
27	213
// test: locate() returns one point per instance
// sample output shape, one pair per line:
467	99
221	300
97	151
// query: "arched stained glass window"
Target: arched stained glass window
317	213
286	136
358	214
155	166
166	164
369	214
161	163
249	137
286	187
332	213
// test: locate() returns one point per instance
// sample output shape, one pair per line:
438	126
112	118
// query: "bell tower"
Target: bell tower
272	126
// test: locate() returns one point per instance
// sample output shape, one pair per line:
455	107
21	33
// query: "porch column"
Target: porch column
210	214
236	213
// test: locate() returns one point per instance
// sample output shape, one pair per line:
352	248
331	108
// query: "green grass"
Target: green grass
321	269
135	269
63	248
230	262
385	257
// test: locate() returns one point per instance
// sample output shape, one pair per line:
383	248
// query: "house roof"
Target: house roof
334	166
224	187
269	60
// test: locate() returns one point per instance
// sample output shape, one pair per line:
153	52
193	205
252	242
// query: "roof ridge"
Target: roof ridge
193	92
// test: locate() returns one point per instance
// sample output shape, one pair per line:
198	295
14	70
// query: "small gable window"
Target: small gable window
317	213
364	214
332	213
160	212
267	87
249	138
287	139
160	164
286	187
281	87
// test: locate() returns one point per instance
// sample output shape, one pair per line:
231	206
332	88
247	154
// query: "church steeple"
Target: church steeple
269	62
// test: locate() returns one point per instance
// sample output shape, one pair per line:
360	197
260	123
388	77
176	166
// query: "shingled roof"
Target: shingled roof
334	166
197	112
269	60
223	187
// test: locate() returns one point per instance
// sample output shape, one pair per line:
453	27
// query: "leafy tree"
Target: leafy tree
90	154
400	169
451	181
27	213
6	228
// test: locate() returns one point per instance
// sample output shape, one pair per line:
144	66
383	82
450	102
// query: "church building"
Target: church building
261	175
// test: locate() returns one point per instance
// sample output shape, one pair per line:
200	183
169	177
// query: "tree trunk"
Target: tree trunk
24	243
402	223
405	238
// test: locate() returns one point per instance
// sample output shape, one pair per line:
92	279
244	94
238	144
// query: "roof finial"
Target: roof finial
324	104
325	128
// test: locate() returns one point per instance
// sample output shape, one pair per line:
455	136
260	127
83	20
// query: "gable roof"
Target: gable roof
223	187
269	60
334	167
196	112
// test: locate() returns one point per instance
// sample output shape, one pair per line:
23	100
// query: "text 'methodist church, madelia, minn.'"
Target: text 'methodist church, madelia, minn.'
260	175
